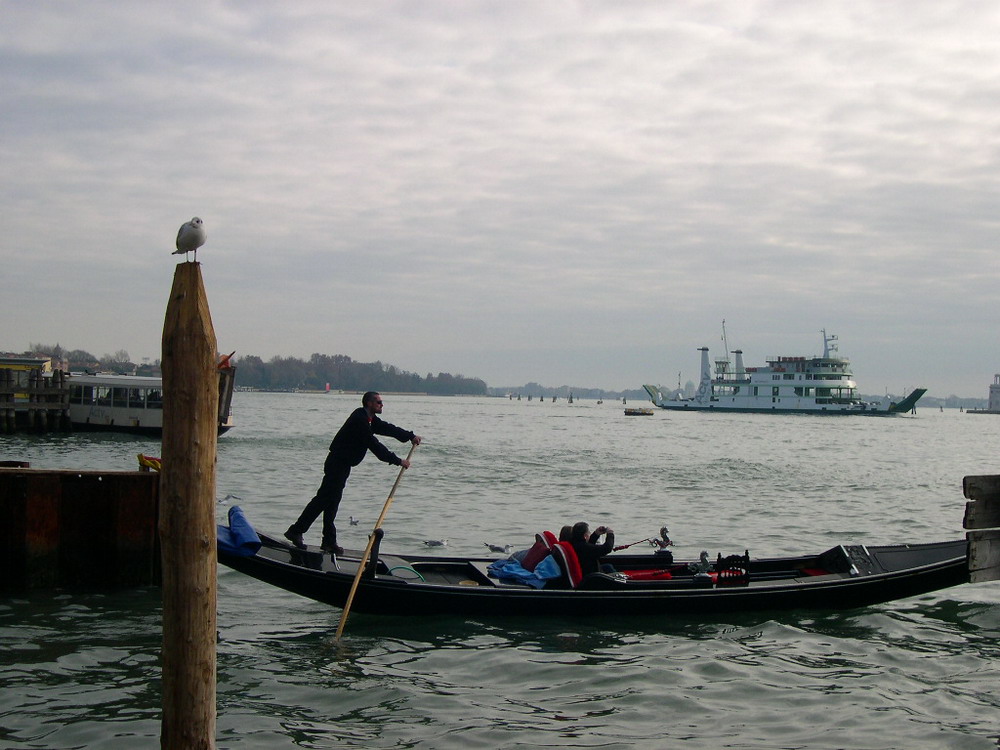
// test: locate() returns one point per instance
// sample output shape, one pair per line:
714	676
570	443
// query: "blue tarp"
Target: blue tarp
545	571
239	538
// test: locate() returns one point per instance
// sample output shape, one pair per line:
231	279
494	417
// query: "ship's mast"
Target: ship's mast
722	363
828	346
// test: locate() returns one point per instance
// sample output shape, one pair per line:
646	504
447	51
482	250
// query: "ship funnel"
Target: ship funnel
740	369
704	392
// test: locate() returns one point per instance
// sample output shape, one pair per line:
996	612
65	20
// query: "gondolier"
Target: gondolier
348	449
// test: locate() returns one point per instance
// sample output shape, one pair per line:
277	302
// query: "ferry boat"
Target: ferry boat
131	403
810	385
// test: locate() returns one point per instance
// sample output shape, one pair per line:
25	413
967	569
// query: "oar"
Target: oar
368	549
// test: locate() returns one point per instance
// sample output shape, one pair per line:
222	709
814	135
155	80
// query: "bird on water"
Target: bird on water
190	237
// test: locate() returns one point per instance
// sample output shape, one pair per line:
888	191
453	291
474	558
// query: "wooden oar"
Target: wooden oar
368	549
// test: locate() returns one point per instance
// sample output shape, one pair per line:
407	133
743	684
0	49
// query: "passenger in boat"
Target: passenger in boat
566	533
349	447
588	551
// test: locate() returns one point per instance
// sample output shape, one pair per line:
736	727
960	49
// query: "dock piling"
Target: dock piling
187	515
982	517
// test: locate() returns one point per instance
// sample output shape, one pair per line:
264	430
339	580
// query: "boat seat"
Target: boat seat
569	563
539	550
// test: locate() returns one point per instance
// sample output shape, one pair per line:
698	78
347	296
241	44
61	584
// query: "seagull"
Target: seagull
506	549
354	521
190	237
436	542
229	497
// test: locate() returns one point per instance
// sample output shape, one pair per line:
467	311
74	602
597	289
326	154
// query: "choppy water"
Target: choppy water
80	670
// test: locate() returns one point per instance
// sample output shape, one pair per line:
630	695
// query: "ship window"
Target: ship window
103	395
76	394
135	397
774	391
119	397
154	398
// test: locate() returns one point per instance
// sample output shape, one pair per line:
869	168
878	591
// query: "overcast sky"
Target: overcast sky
575	193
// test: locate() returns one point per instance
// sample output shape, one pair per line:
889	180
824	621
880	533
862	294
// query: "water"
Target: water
81	669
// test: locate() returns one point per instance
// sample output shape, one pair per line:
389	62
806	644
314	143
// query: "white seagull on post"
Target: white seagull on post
190	237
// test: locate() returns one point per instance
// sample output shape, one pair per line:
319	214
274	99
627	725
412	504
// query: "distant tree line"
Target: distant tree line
343	373
79	360
288	373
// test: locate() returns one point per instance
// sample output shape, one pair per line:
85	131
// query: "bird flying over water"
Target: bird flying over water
190	237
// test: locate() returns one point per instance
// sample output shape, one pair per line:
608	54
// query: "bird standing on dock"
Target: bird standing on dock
190	237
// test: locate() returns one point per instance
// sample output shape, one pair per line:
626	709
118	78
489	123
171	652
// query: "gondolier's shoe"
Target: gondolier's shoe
332	548
295	538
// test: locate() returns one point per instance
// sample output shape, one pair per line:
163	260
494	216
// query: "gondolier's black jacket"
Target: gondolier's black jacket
358	436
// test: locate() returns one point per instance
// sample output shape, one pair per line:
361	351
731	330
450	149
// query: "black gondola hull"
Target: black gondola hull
461	586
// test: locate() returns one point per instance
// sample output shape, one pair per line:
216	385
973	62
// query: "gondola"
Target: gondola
842	577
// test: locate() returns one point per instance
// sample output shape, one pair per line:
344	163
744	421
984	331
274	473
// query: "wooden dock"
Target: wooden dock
39	405
78	529
982	519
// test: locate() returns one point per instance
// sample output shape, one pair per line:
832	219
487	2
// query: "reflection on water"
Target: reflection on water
81	670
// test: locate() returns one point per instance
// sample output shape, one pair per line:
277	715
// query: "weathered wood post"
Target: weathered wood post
982	518
187	515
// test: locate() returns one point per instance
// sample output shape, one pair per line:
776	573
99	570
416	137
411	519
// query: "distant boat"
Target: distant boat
636	412
796	385
129	403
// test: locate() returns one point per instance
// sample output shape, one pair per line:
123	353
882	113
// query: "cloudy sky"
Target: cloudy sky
576	193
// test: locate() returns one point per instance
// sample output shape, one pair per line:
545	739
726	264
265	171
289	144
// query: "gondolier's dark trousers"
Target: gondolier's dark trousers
326	501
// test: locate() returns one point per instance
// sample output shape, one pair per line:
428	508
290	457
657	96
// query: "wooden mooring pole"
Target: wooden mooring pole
187	515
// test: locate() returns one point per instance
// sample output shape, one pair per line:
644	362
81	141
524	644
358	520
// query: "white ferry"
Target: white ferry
811	385
130	403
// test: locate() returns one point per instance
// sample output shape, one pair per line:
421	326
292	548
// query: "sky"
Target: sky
571	193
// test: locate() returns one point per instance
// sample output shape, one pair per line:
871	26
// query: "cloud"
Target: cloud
570	191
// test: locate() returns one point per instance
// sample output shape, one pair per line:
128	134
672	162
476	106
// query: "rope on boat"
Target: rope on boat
407	567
